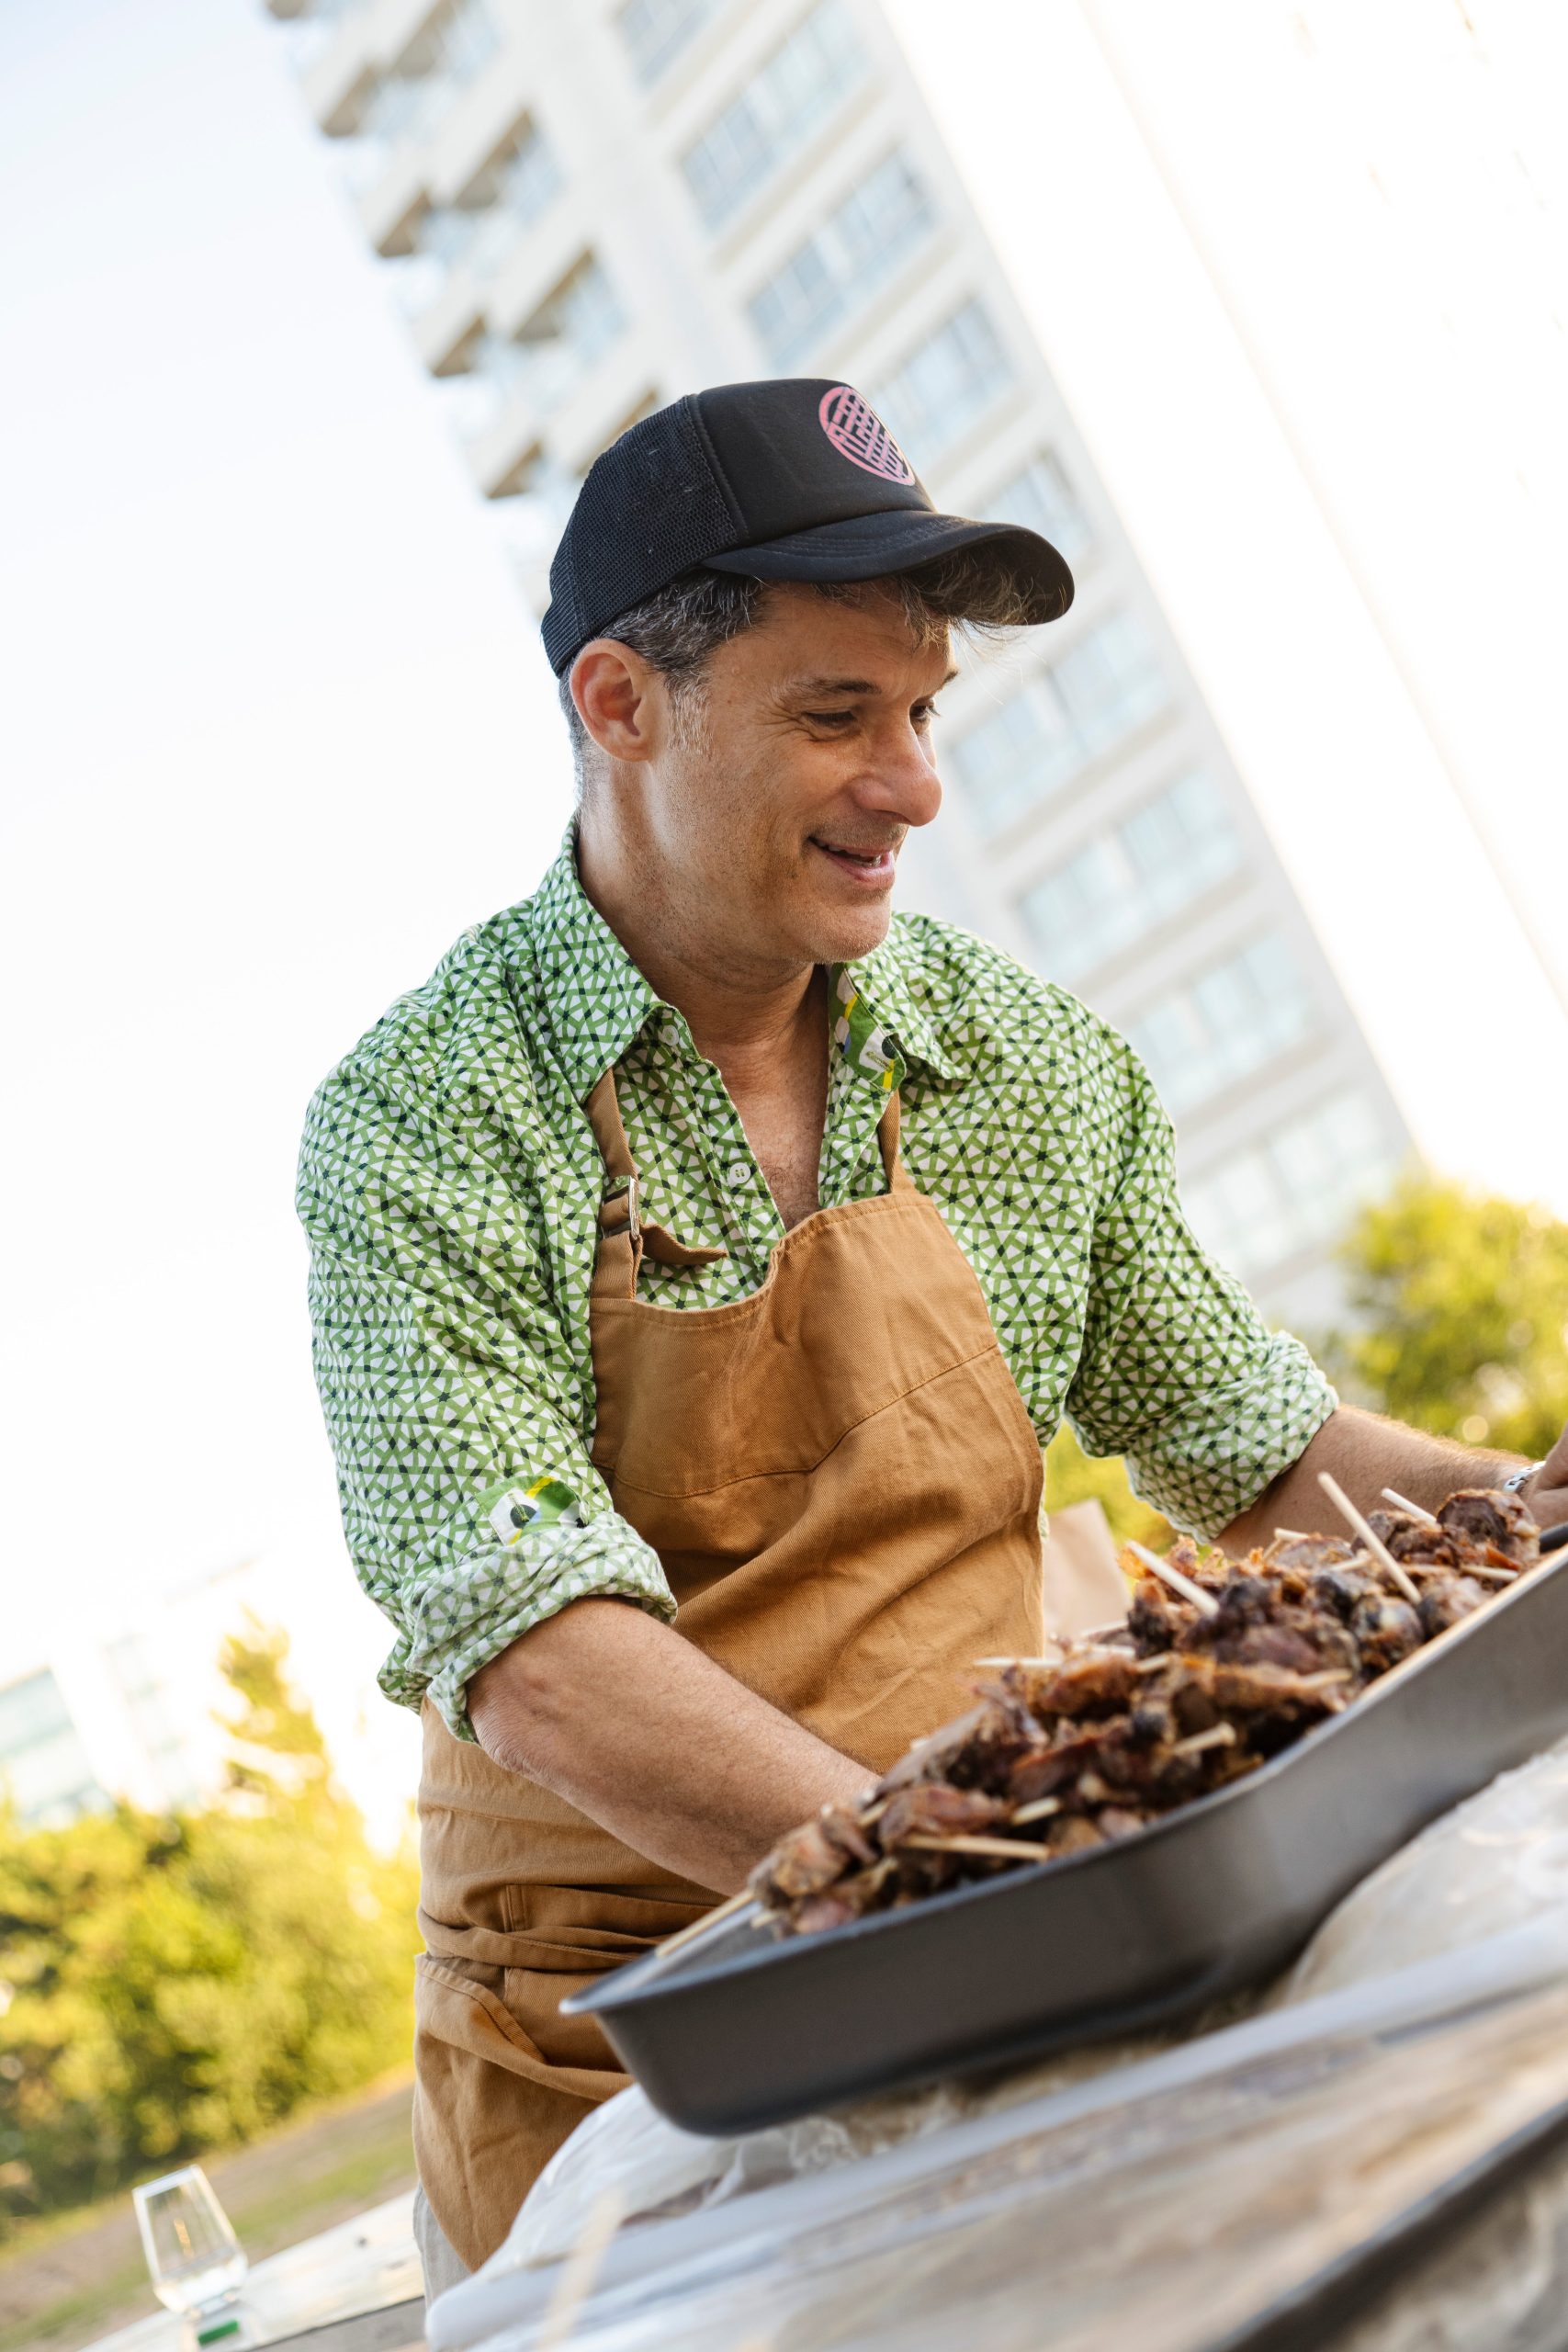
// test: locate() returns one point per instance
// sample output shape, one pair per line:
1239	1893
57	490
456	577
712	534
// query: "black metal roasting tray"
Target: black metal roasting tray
741	2029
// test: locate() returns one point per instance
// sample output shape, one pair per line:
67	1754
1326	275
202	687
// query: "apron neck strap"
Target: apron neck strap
898	1177
624	1238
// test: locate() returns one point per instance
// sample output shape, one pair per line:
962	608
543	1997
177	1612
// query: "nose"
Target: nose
901	783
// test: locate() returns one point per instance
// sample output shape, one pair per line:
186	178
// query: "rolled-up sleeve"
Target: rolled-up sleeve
1178	1372
471	1508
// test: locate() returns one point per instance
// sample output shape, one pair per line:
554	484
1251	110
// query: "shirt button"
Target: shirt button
739	1172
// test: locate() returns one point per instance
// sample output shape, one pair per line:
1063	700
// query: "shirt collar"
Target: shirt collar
889	986
596	1000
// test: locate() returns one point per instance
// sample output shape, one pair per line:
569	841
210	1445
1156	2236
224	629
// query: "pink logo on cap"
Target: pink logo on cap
858	434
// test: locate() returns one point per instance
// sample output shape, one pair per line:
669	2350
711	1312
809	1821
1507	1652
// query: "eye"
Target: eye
828	717
923	713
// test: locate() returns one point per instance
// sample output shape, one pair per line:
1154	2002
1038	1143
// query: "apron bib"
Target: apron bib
843	1486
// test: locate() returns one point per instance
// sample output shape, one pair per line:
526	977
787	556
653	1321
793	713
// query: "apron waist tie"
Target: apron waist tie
557	1950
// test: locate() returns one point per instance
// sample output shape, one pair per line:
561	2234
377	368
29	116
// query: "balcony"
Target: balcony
522	380
385	97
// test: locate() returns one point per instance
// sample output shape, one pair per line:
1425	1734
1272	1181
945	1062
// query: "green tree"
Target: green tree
1459	1315
178	1984
1074	1476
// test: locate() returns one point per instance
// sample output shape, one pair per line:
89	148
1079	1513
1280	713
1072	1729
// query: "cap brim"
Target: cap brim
870	547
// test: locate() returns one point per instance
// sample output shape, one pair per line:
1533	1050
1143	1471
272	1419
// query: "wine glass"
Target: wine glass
195	2260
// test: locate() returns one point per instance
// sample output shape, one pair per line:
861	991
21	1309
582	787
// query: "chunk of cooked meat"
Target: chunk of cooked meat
1445	1599
1409	1538
1340	1589
972	1751
1491	1517
813	1856
933	1810
1094	1684
1385	1630
1306	1555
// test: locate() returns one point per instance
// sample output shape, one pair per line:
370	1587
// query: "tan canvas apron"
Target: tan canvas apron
843	1486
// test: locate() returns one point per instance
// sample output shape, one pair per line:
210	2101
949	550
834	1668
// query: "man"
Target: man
702	1240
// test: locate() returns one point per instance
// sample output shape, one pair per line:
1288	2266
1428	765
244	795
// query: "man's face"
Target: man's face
780	798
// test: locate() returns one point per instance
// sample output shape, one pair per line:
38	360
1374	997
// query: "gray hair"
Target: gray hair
680	628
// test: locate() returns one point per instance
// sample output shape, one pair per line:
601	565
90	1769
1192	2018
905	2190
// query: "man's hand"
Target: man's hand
1365	1453
1547	1493
629	1723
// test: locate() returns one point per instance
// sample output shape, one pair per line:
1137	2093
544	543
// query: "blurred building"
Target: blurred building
46	1771
139	1711
586	212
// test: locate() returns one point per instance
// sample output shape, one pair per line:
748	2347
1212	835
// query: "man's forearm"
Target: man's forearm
636	1728
1364	1453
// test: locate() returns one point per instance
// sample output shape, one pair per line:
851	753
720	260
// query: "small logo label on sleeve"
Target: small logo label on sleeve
512	1510
858	434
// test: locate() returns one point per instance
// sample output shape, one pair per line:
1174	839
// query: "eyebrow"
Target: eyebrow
845	685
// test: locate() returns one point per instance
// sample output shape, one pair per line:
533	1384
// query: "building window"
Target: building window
44	1767
148	1703
1111	683
450	48
798	88
656	32
548	358
1040	498
1224	1025
1296	1193
856	249
944	385
1050	727
1157	861
308	31
478	232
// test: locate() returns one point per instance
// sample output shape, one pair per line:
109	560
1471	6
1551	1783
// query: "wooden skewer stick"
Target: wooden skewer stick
1378	1551
1411	1511
581	2267
729	1910
1013	1848
1203	1602
1016	1662
1041	1810
1217	1735
1466	1569
1293	1535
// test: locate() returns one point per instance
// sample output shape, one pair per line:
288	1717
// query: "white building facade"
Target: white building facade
590	210
140	1709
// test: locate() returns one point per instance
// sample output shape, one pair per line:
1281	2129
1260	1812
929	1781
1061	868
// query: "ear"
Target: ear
621	699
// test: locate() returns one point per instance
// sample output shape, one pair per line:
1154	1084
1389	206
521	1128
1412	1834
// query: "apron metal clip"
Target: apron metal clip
632	1188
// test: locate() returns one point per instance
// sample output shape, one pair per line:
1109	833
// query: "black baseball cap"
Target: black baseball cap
793	479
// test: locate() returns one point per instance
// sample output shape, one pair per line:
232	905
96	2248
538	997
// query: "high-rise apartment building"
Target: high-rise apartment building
592	210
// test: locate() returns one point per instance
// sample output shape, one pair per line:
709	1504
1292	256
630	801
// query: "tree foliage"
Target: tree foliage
171	1984
1074	1476
1458	1307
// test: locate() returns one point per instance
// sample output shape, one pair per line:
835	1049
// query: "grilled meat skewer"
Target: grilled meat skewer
1061	1756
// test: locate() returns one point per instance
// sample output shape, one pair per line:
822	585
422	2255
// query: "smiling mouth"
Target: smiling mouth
873	867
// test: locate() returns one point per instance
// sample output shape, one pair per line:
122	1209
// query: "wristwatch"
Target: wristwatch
1517	1480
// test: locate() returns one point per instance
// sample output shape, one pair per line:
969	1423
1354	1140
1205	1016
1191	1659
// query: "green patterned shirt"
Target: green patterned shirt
450	1187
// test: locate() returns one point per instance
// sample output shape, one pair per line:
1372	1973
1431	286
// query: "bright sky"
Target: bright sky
1381	195
278	727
